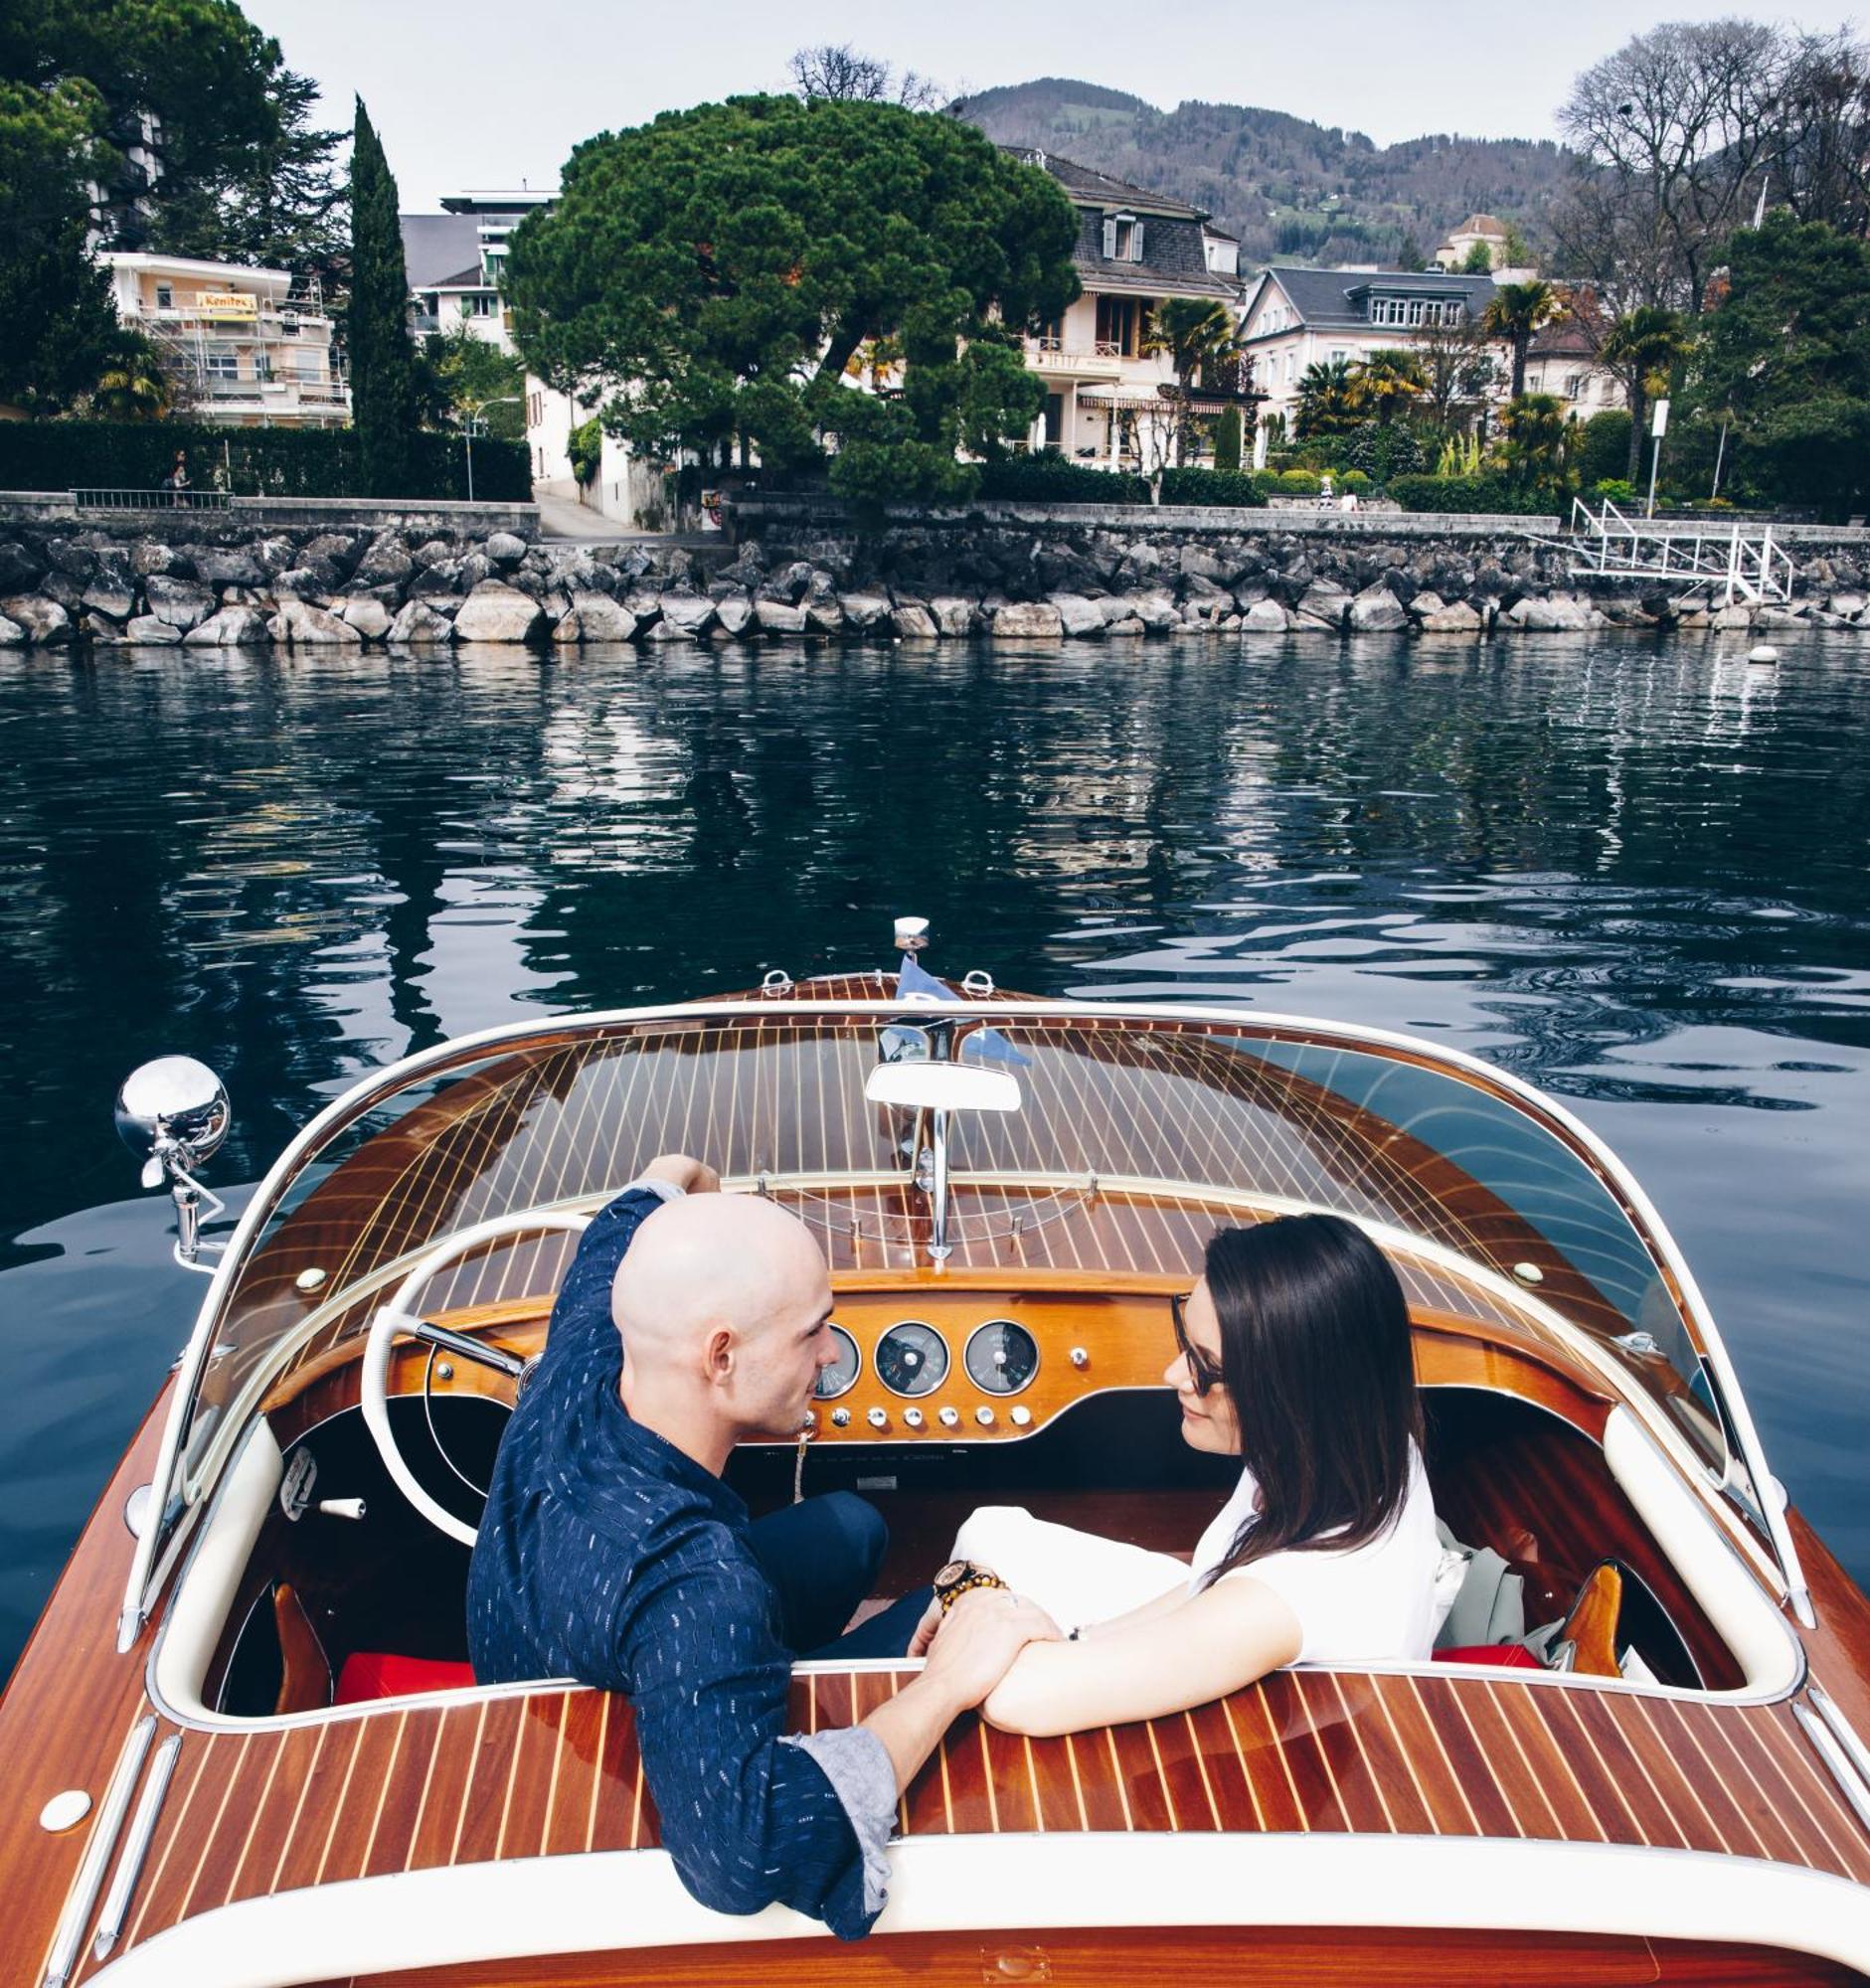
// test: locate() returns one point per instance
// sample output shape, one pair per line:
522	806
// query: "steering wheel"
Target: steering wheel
395	1321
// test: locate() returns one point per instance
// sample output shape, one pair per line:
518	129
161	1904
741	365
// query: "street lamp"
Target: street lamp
469	416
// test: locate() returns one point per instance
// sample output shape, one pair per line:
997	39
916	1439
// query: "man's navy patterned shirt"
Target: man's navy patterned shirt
608	1555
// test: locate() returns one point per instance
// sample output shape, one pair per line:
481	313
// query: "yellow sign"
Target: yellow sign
226	303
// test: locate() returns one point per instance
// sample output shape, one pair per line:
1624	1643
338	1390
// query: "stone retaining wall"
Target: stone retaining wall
207	581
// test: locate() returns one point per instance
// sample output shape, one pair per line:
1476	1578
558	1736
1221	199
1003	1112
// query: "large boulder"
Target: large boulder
1154	607
18	568
180	602
150	632
1376	610
601	619
12	635
955	615
1079	616
505	549
913	623
299	625
111	593
44	621
216	566
368	615
690	613
732	612
231	628
1265	618
788	583
1552	614
71	557
864	610
496	613
385	562
149	556
1325	602
779	617
417	624
1027	620
660	630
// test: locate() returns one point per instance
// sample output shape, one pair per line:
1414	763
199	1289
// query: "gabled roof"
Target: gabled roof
1480	224
435	244
1086	184
1342	298
473	277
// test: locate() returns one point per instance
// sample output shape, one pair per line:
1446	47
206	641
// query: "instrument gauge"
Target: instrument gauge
912	1358
841	1376
1001	1357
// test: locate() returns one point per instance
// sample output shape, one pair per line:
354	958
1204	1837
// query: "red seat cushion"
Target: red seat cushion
379	1674
1514	1656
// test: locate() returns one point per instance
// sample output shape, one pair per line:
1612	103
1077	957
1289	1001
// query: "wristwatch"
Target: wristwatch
954	1580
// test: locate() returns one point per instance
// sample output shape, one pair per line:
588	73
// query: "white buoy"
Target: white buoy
1764	652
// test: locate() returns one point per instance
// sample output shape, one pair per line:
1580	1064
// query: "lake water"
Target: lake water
1635	871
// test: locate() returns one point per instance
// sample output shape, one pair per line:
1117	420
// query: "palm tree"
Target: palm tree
1536	431
1197	334
132	387
1387	381
1640	348
1515	313
1327	399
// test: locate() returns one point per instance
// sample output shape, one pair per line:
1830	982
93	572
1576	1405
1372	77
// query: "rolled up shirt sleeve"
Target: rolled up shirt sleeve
749	1817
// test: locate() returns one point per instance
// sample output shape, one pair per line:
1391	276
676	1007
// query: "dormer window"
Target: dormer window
1122	237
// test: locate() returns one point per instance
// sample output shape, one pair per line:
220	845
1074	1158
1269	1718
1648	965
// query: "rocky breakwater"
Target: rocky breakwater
240	586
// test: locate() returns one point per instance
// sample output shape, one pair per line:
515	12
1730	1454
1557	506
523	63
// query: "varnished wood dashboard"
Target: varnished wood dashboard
1084	1343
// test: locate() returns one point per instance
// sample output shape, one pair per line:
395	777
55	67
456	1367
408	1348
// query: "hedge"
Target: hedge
1211	486
1050	478
250	462
1470	493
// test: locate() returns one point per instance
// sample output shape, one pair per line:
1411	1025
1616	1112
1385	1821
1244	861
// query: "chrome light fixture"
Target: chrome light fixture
173	1115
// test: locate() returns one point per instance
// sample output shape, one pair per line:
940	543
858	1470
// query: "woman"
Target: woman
1295	1356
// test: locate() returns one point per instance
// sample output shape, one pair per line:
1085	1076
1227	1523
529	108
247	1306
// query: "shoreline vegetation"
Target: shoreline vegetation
917	580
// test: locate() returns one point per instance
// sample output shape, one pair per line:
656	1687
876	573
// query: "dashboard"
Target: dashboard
974	1365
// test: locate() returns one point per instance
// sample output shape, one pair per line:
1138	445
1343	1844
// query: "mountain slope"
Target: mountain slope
1289	189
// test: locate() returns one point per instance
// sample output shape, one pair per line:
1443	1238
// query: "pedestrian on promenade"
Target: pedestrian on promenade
177	478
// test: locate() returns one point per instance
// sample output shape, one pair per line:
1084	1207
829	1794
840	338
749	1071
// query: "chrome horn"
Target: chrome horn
173	1115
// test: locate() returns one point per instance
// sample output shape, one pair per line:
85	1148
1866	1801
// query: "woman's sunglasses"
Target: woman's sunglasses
1203	1368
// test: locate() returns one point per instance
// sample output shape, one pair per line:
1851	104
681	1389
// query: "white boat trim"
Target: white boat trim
967	1886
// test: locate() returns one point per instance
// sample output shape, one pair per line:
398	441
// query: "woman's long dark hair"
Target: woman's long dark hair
1316	1359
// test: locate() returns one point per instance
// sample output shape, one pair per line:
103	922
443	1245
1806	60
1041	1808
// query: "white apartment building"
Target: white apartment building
1297	318
1562	360
1134	250
249	348
456	258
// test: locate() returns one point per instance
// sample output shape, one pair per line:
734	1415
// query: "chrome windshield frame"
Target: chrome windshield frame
160	1545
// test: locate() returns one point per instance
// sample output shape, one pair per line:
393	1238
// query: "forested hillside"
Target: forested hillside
1287	188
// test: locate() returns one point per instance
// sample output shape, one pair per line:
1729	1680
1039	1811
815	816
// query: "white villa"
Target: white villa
1296	318
1484	227
249	348
1563	360
454	260
1134	250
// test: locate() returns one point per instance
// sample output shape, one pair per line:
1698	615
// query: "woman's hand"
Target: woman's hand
925	1630
978	1641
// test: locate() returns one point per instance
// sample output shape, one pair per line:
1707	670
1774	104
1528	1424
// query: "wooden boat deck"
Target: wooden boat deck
550	1772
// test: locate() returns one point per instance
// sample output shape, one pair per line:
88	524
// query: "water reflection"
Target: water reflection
1633	871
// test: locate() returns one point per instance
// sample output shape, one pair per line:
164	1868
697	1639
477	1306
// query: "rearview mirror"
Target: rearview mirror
943	1086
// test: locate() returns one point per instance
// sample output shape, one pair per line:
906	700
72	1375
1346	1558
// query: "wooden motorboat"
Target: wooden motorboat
200	1796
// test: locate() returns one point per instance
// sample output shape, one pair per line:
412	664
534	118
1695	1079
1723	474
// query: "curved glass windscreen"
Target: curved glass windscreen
1224	1119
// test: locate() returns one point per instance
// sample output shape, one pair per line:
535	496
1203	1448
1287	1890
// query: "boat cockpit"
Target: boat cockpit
1010	1193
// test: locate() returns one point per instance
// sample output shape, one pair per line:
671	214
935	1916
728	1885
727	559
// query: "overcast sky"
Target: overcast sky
486	94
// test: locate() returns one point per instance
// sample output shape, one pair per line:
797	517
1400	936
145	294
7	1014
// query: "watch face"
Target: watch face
949	1574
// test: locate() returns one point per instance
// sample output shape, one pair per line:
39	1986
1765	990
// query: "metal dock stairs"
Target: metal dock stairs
1740	560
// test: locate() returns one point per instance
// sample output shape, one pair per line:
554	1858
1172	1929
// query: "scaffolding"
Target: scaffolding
1740	560
232	359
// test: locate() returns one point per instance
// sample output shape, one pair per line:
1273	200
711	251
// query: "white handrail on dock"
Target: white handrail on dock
1741	560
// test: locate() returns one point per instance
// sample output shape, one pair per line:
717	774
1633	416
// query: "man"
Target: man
611	1551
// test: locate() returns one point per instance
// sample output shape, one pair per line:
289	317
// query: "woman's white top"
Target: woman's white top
1377	1602
1373	1601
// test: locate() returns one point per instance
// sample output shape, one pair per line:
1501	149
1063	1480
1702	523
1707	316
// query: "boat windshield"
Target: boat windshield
1261	1116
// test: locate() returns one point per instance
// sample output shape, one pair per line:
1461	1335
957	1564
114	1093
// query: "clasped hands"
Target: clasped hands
974	1644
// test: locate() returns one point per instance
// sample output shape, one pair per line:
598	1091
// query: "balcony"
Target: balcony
1104	361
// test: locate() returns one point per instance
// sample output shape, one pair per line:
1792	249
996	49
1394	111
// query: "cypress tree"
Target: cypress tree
383	361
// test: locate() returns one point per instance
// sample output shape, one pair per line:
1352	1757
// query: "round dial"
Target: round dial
912	1358
1001	1357
841	1376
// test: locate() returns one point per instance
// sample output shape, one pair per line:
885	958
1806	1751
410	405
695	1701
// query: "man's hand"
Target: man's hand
692	1176
974	1646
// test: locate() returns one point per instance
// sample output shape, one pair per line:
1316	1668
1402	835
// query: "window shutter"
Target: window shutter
1109	239
1136	243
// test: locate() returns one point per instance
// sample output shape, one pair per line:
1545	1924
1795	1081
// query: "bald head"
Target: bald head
726	1291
